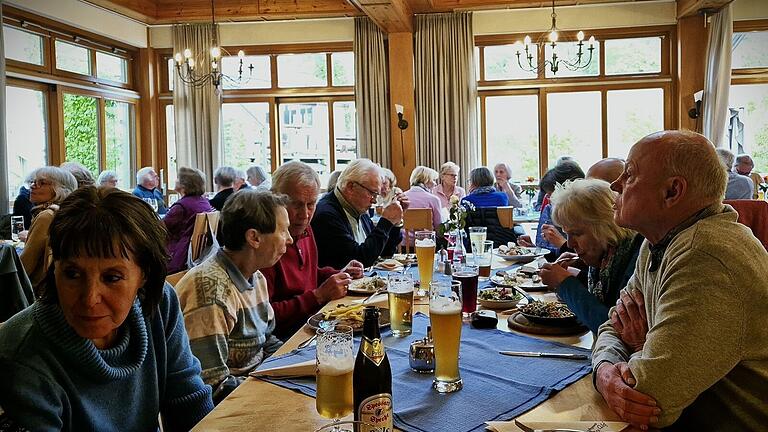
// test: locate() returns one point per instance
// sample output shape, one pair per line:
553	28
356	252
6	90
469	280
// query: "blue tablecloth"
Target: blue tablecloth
496	387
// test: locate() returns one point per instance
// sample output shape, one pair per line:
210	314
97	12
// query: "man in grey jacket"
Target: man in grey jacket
703	363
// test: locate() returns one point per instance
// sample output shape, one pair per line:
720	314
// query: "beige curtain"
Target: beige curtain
717	78
196	109
4	195
446	91
371	92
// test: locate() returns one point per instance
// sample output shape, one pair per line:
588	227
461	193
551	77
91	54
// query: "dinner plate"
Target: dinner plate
500	281
525	258
499	304
530	285
405	259
357	326
363	286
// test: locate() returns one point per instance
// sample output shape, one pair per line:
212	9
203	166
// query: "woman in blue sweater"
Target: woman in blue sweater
104	347
481	190
584	209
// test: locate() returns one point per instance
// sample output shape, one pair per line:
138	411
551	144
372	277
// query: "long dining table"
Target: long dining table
261	406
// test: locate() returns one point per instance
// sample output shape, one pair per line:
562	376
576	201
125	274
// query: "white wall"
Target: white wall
631	14
749	9
272	32
88	17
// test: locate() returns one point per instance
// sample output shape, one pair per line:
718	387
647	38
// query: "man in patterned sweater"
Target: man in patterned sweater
225	301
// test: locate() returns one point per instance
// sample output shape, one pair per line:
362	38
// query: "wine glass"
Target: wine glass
335	364
152	203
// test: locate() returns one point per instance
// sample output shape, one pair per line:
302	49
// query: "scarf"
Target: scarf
615	258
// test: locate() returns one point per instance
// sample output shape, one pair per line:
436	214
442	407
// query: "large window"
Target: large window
245	135
344	133
573	126
749	50
513	140
119	130
26	133
633	114
81	130
304	134
302	70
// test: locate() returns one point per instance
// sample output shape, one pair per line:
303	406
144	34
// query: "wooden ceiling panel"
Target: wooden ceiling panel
686	8
171	11
392	16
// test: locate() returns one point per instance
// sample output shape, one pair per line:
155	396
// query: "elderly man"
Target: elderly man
224	179
608	169
225	300
147	182
298	288
739	186
744	166
703	364
343	229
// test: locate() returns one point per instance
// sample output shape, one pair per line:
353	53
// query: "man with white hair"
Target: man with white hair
343	229
744	166
700	285
298	287
739	186
147	182
224	179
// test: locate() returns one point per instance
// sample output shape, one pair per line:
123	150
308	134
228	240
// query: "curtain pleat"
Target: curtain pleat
371	92
197	110
4	195
717	78
446	91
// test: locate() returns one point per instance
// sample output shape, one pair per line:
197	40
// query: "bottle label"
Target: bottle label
376	412
373	349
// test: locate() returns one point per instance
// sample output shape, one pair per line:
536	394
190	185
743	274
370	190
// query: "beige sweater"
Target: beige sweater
705	359
36	255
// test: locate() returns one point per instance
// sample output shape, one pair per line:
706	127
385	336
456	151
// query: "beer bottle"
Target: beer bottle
372	378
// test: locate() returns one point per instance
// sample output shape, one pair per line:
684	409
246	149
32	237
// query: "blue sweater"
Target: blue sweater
53	379
487	199
142	192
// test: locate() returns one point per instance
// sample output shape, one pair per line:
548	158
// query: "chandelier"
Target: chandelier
187	63
556	60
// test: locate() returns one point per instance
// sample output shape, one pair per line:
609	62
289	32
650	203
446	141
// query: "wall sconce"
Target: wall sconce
402	124
695	112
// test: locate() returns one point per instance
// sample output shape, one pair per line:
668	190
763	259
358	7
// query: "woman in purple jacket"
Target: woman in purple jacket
180	220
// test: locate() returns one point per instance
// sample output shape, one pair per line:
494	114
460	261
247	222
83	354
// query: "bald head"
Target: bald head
608	169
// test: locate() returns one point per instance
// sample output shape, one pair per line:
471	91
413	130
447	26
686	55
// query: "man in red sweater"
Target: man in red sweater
297	287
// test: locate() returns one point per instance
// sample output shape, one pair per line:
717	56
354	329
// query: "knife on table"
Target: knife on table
548	355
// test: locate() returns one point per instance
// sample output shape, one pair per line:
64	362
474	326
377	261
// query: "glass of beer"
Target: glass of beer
466	275
425	257
445	317
400	289
335	363
477	236
484	258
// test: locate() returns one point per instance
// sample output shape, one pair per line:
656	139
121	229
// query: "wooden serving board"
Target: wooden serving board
518	322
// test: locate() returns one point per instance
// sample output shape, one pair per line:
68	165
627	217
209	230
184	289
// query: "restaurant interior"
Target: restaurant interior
500	133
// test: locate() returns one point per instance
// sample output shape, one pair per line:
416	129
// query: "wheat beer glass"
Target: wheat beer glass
335	363
445	316
400	293
425	256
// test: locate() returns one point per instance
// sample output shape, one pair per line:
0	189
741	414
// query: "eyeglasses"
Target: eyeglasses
373	194
40	182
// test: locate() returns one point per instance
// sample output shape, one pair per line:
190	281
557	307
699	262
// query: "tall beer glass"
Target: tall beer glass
400	289
477	236
335	363
425	256
445	316
467	276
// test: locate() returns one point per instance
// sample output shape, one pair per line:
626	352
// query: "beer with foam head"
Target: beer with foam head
445	317
334	389
425	256
400	292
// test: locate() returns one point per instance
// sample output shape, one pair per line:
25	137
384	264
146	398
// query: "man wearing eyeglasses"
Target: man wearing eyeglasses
344	231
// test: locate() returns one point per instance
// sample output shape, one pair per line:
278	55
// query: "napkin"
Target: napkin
305	368
587	426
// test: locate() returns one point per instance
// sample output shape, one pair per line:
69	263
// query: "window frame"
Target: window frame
10	21
750	75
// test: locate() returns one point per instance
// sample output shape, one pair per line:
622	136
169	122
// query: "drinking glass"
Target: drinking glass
484	257
445	317
425	256
477	236
17	226
335	363
152	203
400	289
467	276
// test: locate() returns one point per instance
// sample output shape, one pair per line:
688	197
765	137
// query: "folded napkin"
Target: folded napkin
586	426
304	368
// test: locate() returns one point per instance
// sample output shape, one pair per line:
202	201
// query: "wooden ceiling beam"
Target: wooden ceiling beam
687	8
392	16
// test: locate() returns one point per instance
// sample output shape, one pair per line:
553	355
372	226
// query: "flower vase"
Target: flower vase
459	252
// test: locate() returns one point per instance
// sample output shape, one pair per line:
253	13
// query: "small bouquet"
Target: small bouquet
457	216
764	185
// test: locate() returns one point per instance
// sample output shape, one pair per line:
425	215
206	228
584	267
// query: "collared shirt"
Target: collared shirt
445	200
657	250
353	217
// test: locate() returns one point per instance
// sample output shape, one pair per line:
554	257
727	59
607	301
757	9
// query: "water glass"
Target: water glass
477	235
17	226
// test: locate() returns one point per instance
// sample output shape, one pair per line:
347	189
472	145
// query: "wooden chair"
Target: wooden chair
506	216
203	233
173	279
414	219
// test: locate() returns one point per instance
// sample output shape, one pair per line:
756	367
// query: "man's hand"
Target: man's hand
335	287
525	241
552	235
393	212
629	319
553	275
615	382
354	269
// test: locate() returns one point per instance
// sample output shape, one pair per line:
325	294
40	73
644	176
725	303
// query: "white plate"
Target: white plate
499	304
358	286
520	258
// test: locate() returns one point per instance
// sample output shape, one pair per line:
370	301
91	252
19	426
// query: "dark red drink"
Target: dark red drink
468	279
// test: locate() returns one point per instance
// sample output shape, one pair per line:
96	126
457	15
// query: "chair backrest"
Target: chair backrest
204	231
754	214
506	216
415	219
173	279
489	218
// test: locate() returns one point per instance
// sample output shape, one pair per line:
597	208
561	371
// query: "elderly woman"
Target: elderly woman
584	209
49	187
503	174
449	176
258	178
481	190
420	196
389	189
107	178
104	347
224	179
81	173
180	219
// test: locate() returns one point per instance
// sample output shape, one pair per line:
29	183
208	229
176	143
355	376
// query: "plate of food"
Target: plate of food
521	254
405	259
549	313
499	298
367	285
347	314
390	264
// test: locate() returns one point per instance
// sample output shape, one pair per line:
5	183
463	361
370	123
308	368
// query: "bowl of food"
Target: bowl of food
499	298
548	313
367	285
521	254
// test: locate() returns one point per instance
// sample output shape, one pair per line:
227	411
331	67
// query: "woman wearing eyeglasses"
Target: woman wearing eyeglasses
50	185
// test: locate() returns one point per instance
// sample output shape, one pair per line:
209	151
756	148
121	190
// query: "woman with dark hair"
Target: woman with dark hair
104	347
481	190
180	219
